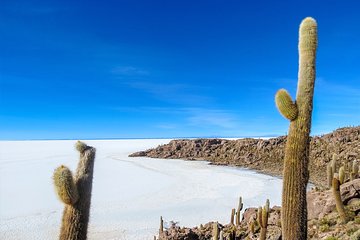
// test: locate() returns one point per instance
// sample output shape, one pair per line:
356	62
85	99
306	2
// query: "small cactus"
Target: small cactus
333	162
161	228
354	170
339	204
239	208
215	233
341	175
262	218
232	216
330	174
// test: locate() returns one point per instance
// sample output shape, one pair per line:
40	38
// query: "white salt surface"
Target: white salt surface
129	194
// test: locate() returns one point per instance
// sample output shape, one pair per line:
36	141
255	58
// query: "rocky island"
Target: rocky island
264	155
340	148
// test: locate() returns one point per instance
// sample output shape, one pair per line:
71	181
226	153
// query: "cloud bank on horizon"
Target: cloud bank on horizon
160	69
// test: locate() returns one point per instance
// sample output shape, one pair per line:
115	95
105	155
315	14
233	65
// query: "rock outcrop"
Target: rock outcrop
265	155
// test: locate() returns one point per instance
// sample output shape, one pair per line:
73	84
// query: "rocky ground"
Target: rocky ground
264	155
323	220
267	156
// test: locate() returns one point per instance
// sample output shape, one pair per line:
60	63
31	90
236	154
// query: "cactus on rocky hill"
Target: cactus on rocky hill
239	208
354	170
262	218
296	173
339	203
215	231
75	192
329	174
232	216
337	180
161	227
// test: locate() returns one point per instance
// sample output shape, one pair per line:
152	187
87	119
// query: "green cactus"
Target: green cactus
262	218
239	208
285	105
296	175
76	194
339	204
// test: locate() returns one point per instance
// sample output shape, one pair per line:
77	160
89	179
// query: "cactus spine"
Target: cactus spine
262	217
239	208
294	213
76	194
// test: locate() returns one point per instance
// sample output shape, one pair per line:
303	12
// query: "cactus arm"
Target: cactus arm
285	105
296	161
65	185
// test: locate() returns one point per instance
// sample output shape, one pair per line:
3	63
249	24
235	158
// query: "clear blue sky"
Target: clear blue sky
179	68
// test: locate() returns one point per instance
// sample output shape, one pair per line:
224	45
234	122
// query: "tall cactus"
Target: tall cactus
75	193
296	175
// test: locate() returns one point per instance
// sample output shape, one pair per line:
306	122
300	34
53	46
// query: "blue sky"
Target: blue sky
135	69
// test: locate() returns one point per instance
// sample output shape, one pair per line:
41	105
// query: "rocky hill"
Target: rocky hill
265	155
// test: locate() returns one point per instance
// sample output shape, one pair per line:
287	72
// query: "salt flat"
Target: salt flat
129	194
